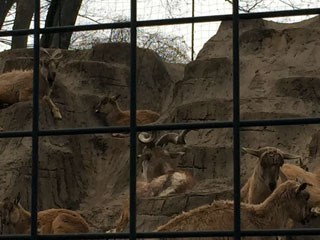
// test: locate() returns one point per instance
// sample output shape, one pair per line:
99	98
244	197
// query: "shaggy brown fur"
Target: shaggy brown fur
293	172
288	201
16	86
172	182
18	220
265	174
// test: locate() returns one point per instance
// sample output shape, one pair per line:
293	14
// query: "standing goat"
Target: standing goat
16	86
265	174
18	220
288	201
161	176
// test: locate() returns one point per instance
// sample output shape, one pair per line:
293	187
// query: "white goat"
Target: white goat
108	108
18	220
265	174
161	176
288	201
16	86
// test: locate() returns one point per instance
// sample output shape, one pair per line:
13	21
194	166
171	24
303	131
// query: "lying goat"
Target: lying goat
18	220
288	201
109	110
16	86
161	176
265	174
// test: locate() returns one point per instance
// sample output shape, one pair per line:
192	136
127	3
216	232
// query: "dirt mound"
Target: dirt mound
279	79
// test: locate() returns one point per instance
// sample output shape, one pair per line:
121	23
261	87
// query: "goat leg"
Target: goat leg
54	109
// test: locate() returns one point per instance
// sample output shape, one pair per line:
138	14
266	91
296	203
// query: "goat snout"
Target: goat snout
272	185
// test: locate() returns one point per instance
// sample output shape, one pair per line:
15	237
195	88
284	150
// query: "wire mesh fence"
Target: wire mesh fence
185	41
235	124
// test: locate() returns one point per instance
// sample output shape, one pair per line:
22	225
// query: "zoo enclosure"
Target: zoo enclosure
35	133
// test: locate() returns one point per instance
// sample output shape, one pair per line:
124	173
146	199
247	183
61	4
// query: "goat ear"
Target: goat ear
251	151
17	200
115	97
301	187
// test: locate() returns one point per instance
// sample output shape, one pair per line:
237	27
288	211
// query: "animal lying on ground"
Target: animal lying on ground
18	220
161	175
155	159
16	86
265	174
109	110
288	201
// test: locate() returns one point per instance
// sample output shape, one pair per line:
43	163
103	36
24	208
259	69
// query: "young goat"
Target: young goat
288	201
161	176
16	86
109	109
18	220
265	174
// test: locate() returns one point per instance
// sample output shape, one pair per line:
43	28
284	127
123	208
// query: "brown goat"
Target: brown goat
18	220
265	174
161	176
16	86
109	110
292	172
288	201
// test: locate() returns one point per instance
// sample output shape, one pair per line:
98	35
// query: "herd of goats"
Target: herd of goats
277	195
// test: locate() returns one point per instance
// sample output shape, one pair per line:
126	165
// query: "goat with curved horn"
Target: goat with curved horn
266	173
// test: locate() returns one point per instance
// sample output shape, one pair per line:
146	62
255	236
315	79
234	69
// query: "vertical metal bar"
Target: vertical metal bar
236	120
133	54
192	33
35	121
59	22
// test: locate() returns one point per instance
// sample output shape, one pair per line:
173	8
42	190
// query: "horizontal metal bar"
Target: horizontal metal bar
163	22
189	234
162	127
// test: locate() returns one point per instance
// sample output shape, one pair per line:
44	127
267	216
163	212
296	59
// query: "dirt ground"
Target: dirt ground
279	77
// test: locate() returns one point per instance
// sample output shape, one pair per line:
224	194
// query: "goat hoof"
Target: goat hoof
111	231
58	116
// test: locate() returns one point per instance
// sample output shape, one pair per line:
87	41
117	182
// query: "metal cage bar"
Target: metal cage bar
236	119
236	124
133	129
35	122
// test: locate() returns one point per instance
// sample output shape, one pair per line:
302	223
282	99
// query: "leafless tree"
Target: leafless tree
4	10
170	48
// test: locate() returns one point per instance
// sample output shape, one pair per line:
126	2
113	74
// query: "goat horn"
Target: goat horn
115	97
252	151
45	51
145	137
57	54
174	138
290	156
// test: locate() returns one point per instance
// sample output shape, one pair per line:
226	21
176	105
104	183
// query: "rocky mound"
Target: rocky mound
279	79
